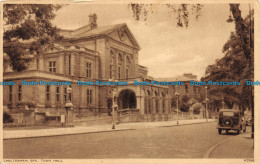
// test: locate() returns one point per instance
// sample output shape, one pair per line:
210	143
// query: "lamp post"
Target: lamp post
223	103
69	107
177	95
113	108
206	103
113	104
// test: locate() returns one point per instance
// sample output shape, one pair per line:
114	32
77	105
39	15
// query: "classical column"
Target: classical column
154	105
160	106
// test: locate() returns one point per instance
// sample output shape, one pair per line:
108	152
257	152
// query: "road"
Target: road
186	141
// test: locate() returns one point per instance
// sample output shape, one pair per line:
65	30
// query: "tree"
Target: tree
234	66
183	11
184	106
243	56
27	30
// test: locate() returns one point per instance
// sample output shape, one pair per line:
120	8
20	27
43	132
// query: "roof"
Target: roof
179	78
101	30
87	31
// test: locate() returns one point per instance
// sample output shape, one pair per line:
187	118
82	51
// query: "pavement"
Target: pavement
25	133
241	146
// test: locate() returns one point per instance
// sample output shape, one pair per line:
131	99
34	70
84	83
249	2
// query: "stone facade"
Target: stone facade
184	87
90	53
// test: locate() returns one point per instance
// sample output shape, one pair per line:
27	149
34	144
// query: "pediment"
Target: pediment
124	36
51	49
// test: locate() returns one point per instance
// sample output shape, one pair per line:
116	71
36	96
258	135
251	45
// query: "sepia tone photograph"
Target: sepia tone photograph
128	80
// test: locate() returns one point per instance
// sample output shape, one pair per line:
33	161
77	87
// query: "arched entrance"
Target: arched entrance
126	99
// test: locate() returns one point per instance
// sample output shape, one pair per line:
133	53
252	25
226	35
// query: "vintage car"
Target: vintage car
230	119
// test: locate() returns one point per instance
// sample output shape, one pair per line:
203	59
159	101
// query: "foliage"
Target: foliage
22	105
184	106
7	118
192	101
183	11
27	30
173	102
236	65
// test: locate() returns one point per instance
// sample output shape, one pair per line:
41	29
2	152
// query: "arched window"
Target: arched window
120	57
112	63
112	57
128	60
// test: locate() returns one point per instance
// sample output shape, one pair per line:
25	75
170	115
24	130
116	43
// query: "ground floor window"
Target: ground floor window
58	94
19	93
10	94
65	94
89	97
48	93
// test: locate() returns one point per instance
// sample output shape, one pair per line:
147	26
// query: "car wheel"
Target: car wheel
219	131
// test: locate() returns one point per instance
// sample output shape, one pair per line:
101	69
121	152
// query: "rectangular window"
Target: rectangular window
47	93
119	72
65	94
70	94
88	70
126	73
19	93
70	64
58	94
111	71
10	94
52	66
37	64
89	97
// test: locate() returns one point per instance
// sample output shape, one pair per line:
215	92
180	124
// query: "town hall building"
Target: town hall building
90	53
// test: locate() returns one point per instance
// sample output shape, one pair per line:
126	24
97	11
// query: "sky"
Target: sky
167	50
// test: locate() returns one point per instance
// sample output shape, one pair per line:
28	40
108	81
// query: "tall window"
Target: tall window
52	66
70	64
47	93
70	94
128	60
88	70
65	94
58	94
89	97
37	64
120	57
119	72
112	64
126	73
111	71
19	93
10	93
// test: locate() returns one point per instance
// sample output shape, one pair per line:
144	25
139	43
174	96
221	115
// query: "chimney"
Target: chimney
93	20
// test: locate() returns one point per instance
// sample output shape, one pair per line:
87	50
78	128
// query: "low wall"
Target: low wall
93	121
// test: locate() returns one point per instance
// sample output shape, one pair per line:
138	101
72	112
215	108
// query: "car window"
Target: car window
231	114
